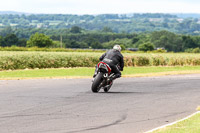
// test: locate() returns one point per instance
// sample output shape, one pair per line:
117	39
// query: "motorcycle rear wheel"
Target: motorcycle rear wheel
96	83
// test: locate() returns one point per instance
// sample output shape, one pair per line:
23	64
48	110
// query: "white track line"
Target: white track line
172	122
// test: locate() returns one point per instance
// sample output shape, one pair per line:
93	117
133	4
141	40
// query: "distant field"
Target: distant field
32	59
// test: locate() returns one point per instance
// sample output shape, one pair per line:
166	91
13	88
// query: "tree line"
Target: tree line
118	23
77	37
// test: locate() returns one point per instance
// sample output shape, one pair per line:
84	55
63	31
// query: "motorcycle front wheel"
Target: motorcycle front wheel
106	89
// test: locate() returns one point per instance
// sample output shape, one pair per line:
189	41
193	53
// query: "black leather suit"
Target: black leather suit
114	58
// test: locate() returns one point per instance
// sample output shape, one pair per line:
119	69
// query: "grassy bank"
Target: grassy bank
190	125
84	72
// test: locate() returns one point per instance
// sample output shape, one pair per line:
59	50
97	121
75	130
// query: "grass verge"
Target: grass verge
190	125
88	72
198	108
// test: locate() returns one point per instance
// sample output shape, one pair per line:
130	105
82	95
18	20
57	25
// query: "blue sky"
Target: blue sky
101	6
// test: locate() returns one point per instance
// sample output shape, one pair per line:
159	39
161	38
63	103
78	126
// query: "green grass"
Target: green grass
88	72
191	125
154	69
46	73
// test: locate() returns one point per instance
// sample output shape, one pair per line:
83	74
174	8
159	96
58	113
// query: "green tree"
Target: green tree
107	29
96	45
168	40
39	40
148	46
125	42
83	45
7	30
135	39
197	40
74	44
22	42
123	47
10	39
67	43
75	29
188	42
1	40
196	50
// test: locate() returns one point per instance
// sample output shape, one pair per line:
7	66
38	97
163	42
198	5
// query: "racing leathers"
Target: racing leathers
114	59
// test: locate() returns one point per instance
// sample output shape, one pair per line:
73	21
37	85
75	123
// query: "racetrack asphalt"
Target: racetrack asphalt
133	105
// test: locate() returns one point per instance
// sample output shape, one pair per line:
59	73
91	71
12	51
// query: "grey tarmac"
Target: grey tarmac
133	105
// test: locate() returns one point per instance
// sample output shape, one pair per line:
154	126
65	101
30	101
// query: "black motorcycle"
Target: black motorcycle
103	78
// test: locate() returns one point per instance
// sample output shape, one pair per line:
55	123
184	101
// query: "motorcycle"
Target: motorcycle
103	78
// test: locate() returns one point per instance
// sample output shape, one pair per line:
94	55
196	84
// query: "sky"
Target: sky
81	7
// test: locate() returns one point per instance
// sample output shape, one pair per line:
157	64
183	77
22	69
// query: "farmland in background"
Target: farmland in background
12	60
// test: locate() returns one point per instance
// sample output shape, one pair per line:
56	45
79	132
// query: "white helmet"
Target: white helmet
117	47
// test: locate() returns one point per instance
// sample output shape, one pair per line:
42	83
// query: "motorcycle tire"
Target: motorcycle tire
96	83
106	89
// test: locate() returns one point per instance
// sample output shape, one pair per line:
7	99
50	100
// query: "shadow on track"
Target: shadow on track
121	92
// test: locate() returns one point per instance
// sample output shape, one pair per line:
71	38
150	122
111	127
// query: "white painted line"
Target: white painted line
172	122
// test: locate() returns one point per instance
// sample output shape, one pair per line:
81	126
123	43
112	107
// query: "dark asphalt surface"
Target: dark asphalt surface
133	105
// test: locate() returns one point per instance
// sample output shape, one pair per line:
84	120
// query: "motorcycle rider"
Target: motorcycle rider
113	58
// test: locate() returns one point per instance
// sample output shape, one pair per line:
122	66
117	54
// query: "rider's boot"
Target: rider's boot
110	79
115	76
